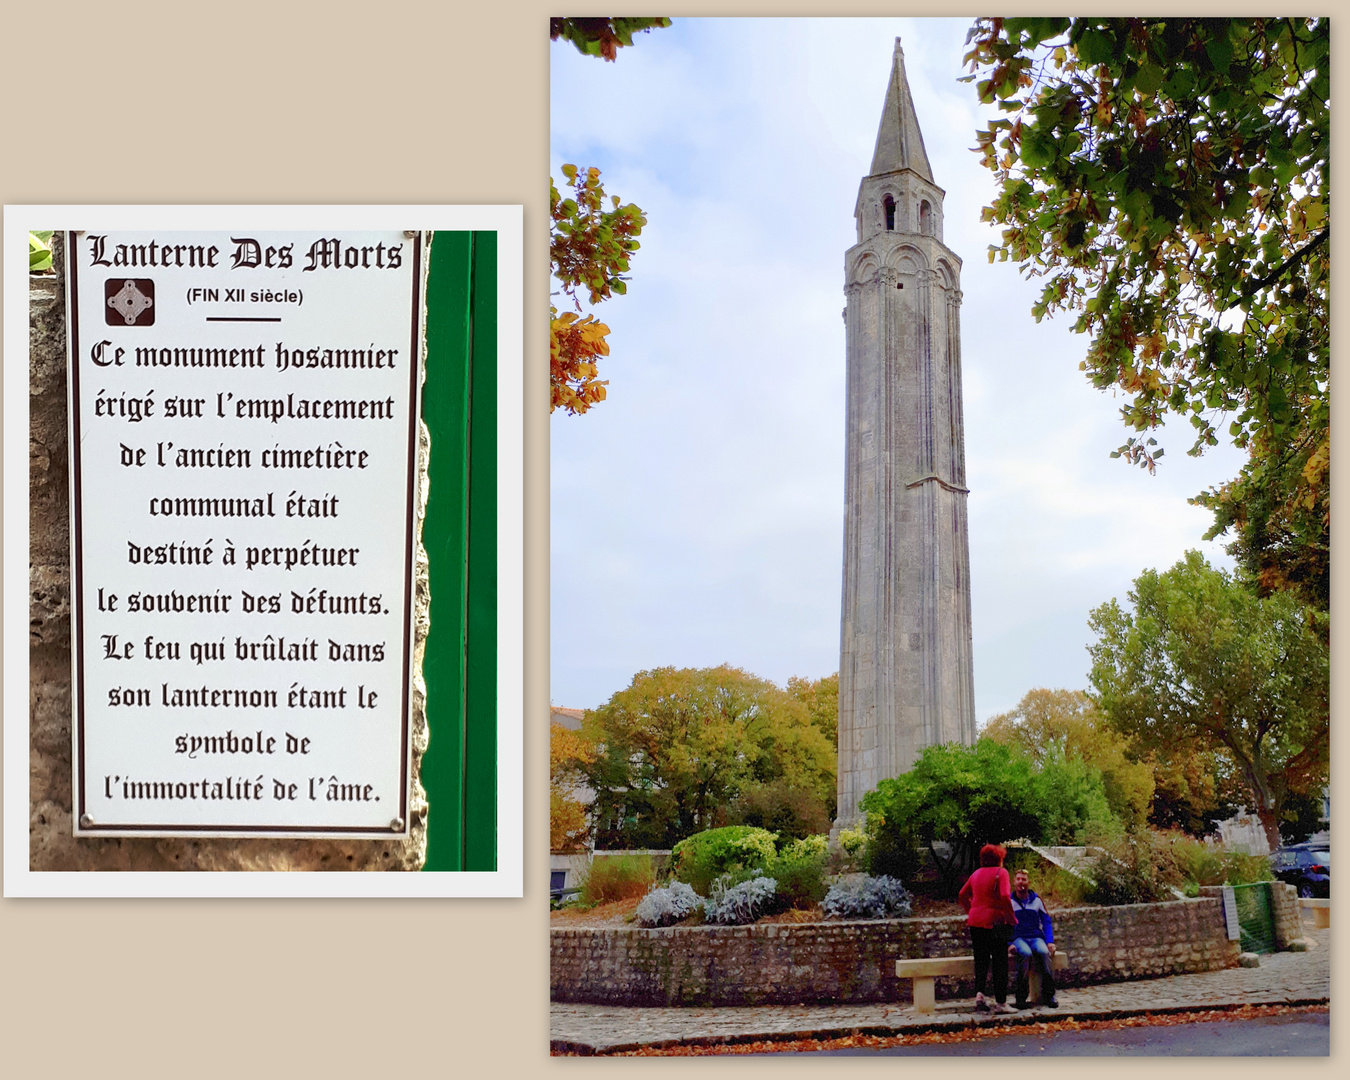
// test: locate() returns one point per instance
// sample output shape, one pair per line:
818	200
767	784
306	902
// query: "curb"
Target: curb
583	1049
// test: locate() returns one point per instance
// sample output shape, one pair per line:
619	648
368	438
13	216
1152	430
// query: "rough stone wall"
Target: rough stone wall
51	843
847	962
1288	915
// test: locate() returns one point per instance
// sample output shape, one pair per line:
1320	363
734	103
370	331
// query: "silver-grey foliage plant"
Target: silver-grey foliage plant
740	904
667	905
861	896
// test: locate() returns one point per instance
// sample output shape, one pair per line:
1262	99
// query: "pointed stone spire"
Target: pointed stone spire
899	141
905	645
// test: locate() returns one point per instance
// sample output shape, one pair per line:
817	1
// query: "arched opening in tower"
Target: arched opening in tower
888	204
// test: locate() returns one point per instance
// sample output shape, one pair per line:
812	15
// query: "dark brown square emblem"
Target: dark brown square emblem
130	302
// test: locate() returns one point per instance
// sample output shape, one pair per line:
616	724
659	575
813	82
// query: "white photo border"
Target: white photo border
508	879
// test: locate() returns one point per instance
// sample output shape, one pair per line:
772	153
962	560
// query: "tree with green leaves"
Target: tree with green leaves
966	796
1168	178
1202	662
683	750
590	242
1303	816
1066	724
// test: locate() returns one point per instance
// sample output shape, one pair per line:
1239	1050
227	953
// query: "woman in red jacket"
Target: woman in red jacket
987	898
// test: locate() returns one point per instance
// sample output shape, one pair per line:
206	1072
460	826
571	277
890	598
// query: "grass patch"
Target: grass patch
1208	864
617	877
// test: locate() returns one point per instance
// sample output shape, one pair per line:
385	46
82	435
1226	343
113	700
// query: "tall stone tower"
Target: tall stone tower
905	677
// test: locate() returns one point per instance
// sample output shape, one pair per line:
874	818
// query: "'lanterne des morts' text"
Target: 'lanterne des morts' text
323	254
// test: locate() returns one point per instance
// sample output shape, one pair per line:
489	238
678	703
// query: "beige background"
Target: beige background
313	102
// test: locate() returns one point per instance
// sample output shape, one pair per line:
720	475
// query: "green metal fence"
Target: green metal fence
1256	917
459	405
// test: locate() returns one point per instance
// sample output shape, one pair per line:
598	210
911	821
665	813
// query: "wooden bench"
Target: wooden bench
923	972
1321	911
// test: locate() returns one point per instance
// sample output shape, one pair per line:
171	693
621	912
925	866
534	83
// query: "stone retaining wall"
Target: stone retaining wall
1284	908
849	962
1288	916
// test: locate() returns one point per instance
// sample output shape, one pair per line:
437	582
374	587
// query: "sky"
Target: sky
697	513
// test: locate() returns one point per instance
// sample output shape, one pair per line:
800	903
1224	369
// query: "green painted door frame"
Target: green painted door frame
459	406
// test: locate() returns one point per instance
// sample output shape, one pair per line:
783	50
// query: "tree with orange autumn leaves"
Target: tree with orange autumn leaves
681	750
589	249
568	753
589	245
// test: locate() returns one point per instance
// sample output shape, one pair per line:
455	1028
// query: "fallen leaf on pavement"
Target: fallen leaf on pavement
967	1034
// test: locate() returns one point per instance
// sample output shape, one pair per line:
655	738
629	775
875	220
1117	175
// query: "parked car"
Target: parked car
1305	866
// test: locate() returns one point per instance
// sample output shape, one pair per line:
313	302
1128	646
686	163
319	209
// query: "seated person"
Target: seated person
1033	936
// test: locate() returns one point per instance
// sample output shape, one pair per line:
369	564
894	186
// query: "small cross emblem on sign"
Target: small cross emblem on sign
133	300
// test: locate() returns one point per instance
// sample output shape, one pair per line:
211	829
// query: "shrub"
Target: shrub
847	854
967	796
1244	869
962	796
1201	863
703	857
860	896
1137	870
800	872
1145	866
743	903
806	845
890	852
852	841
617	877
668	905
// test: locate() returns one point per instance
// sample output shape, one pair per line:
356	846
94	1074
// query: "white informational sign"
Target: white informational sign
1230	914
243	444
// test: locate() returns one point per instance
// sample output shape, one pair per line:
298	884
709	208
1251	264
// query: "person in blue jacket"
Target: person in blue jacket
1033	937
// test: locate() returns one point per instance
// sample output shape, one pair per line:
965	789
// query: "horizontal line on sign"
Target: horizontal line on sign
243	318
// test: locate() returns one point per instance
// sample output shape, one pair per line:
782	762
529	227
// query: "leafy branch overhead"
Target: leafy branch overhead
589	246
601	36
589	249
1169	181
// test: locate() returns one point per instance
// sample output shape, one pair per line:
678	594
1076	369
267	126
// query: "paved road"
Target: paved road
1282	978
1268	1036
